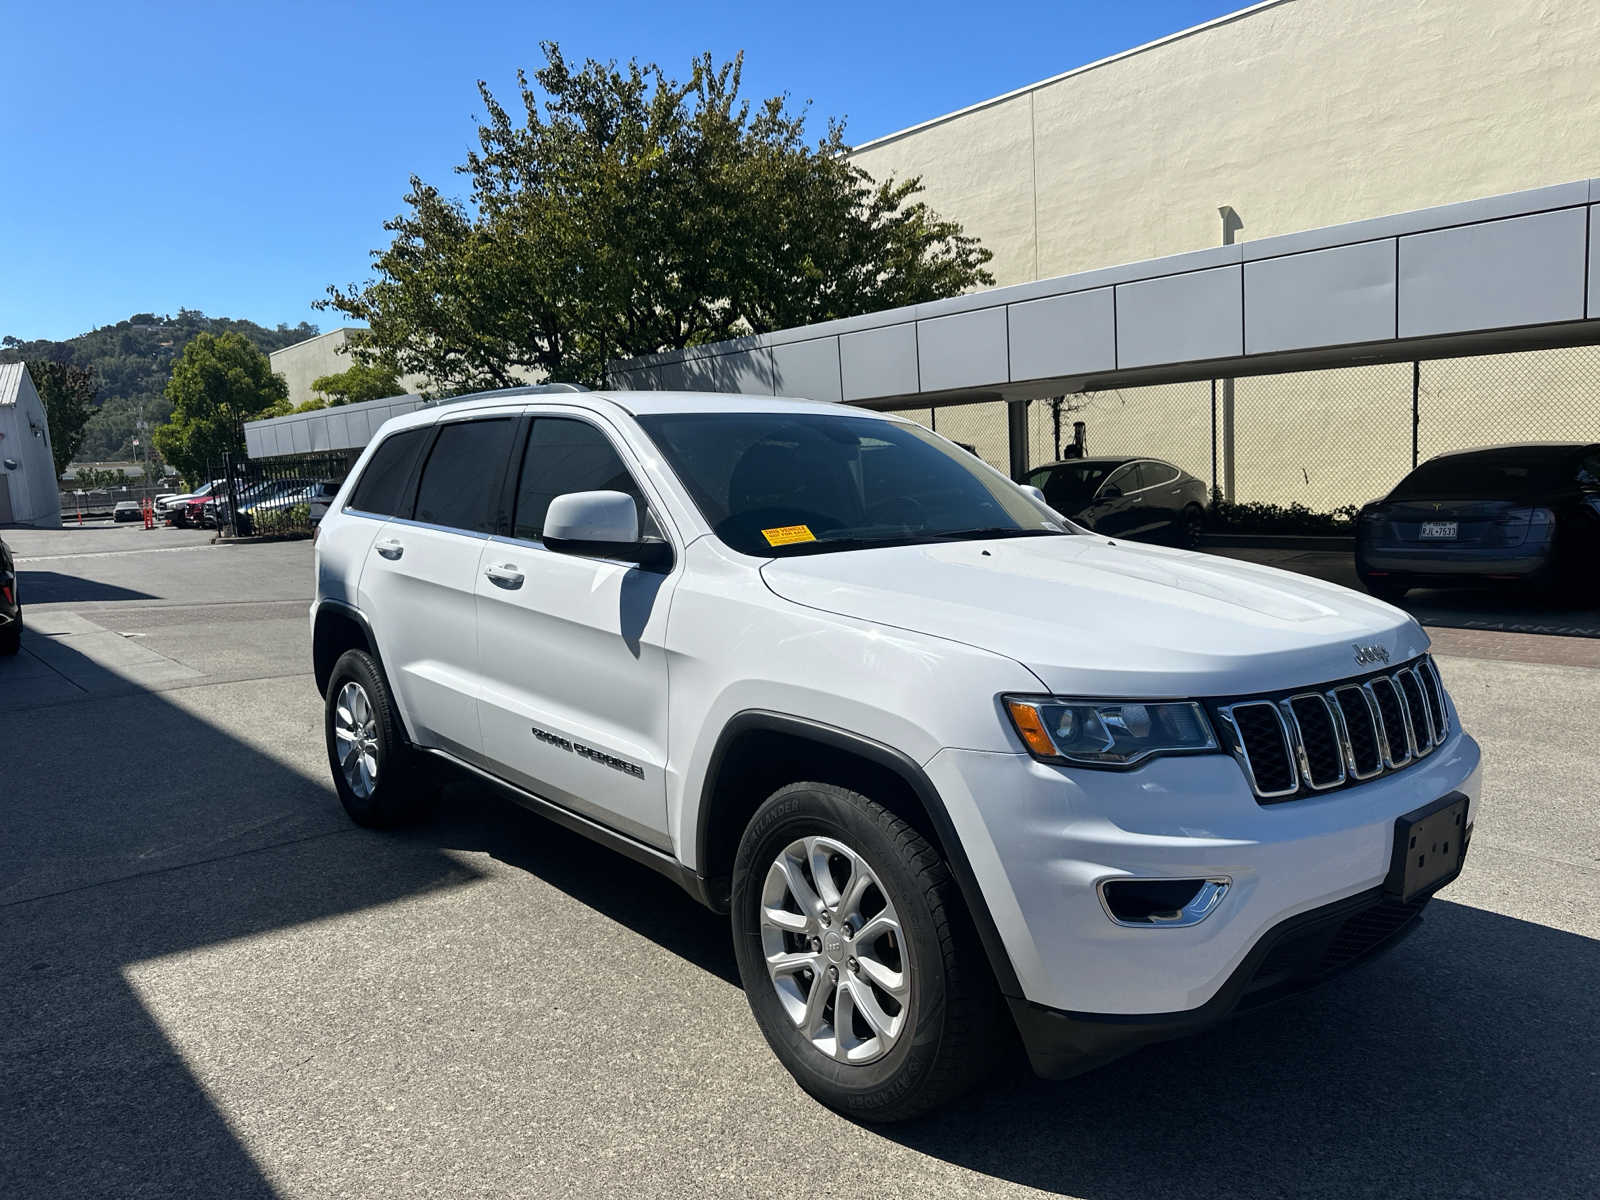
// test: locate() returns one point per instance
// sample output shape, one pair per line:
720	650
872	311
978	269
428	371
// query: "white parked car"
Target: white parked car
958	769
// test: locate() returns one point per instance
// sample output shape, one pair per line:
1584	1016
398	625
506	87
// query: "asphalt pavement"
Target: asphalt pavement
211	984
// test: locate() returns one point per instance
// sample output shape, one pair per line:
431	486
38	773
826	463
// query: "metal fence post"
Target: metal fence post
1017	437
1213	439
233	497
1416	409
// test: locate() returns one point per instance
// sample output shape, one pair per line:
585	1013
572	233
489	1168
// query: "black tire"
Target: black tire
11	637
952	1020
1191	526
398	786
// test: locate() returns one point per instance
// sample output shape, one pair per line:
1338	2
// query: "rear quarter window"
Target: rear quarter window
383	482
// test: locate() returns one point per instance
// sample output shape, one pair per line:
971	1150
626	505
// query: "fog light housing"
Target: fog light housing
1166	903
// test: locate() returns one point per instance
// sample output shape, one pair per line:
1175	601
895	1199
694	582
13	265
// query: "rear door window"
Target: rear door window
382	484
567	455
1157	474
1127	478
461	479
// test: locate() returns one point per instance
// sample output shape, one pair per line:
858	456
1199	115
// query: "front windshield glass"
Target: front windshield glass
777	483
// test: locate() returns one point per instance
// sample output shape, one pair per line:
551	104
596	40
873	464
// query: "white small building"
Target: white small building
28	494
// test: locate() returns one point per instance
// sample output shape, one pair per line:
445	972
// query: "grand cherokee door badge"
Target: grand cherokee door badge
589	752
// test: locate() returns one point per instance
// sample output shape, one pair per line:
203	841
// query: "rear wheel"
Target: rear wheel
1191	525
11	637
857	957
375	771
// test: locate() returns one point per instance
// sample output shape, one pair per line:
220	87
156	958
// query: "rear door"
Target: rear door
417	587
1162	497
570	649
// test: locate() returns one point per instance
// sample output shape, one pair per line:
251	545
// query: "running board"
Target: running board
657	860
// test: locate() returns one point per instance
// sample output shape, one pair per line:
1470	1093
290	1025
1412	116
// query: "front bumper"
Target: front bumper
1040	838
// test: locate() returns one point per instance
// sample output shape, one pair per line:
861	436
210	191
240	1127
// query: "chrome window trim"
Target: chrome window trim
1299	740
1243	755
415	524
1344	730
1384	744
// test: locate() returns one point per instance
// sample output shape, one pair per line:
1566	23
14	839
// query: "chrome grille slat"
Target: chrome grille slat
1301	743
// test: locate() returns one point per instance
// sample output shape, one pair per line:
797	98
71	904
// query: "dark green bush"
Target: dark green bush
1256	517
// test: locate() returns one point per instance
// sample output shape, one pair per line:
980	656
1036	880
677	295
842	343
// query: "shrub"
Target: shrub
1257	517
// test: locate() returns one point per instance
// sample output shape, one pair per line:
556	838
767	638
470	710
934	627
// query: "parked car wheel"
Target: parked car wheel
1191	526
857	956
11	638
374	767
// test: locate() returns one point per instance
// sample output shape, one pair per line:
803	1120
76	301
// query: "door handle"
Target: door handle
389	548
505	575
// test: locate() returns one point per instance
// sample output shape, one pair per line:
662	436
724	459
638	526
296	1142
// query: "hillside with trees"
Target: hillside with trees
132	361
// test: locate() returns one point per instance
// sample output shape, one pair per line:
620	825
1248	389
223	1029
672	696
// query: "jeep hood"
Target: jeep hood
1094	618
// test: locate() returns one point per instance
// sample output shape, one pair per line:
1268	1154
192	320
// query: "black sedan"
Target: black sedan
1144	499
1509	514
10	605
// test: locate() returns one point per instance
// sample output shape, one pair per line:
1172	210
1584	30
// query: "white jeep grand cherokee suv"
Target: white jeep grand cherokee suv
945	757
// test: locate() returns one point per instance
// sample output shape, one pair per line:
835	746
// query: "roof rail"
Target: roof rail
531	389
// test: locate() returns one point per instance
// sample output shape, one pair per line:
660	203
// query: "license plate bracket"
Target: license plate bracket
1441	529
1430	844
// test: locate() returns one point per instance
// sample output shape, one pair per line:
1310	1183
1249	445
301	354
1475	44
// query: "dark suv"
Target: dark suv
1507	514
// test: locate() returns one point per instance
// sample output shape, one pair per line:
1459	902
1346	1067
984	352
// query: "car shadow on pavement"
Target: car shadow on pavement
1465	1062
470	816
132	829
52	587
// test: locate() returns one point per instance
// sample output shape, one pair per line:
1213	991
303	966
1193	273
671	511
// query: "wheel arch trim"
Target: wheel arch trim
888	758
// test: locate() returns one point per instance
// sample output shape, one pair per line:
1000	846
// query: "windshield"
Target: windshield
1508	474
779	483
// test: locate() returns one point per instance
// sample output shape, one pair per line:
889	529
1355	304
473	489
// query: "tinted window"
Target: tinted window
1505	474
1069	486
564	456
458	483
1155	474
1126	478
1589	471
778	483
387	471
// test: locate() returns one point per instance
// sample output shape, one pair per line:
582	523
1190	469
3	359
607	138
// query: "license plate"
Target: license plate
1429	845
1440	529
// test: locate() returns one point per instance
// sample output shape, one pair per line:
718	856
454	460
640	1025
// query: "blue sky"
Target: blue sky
239	158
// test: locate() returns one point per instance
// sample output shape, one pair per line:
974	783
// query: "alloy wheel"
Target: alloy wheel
355	731
834	950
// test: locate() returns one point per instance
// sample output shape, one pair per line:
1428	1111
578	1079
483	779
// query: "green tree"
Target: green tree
360	381
625	213
218	383
68	394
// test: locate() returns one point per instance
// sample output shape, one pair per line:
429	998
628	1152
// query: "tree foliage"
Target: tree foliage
68	394
132	360
359	381
218	383
621	212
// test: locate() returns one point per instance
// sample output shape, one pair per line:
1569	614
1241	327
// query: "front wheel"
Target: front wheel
857	957
374	771
1191	526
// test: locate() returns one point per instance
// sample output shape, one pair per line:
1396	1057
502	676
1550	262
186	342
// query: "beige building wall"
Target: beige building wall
1296	114
313	358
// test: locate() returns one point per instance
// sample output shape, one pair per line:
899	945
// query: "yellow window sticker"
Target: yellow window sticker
788	535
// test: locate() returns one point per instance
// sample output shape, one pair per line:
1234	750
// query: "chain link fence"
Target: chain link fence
1324	439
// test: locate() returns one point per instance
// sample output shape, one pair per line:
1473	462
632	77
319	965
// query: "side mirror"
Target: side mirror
1110	492
601	525
1035	494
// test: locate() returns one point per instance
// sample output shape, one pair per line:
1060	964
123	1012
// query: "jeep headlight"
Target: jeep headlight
1108	733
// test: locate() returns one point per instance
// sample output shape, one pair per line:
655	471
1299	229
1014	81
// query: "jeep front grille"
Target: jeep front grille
1345	732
